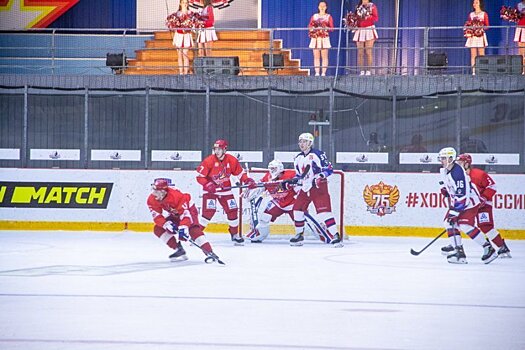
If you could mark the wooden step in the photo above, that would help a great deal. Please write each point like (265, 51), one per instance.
(171, 54)
(248, 35)
(221, 44)
(244, 72)
(174, 65)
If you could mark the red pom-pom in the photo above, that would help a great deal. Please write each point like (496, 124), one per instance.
(350, 20)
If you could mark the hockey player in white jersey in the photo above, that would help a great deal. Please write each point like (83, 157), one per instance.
(313, 168)
(461, 216)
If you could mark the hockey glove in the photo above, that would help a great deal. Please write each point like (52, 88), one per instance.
(210, 187)
(251, 183)
(184, 233)
(443, 189)
(169, 226)
(452, 216)
(318, 178)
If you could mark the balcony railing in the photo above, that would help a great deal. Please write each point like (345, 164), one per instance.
(397, 51)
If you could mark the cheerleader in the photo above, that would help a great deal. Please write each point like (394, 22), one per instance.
(365, 35)
(207, 36)
(477, 40)
(320, 24)
(183, 39)
(519, 37)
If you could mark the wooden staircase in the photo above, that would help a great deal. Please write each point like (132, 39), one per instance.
(160, 57)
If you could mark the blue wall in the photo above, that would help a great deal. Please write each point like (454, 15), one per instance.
(99, 14)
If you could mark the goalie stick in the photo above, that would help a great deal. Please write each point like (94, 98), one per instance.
(413, 252)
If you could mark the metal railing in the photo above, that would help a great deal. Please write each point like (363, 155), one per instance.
(83, 51)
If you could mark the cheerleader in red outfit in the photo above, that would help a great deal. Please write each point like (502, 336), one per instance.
(519, 37)
(207, 35)
(477, 41)
(320, 25)
(365, 35)
(183, 39)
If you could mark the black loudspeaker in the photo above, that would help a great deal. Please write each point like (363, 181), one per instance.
(216, 65)
(278, 61)
(117, 61)
(437, 60)
(499, 64)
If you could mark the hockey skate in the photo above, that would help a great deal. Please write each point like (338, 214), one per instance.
(179, 254)
(504, 251)
(447, 250)
(336, 242)
(489, 253)
(237, 240)
(297, 240)
(458, 257)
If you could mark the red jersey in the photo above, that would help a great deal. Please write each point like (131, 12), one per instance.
(207, 16)
(485, 184)
(220, 171)
(369, 20)
(176, 203)
(283, 197)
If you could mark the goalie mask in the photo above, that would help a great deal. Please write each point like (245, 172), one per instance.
(276, 168)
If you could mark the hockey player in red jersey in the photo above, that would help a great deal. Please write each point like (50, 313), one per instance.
(214, 175)
(487, 189)
(313, 189)
(461, 215)
(279, 201)
(181, 219)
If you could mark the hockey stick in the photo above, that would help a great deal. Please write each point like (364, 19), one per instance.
(210, 256)
(413, 252)
(262, 184)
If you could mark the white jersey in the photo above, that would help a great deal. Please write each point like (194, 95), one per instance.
(463, 194)
(318, 164)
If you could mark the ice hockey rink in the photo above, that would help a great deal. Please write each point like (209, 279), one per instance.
(87, 290)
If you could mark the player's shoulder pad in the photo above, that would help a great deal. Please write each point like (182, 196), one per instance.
(457, 171)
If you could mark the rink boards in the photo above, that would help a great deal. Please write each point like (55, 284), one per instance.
(393, 204)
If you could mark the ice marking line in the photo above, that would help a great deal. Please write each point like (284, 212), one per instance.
(16, 295)
(107, 270)
(173, 343)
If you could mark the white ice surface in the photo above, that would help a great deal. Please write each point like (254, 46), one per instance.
(85, 290)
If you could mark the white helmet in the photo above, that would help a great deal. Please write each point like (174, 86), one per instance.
(275, 167)
(307, 137)
(447, 152)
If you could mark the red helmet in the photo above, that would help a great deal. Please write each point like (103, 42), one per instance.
(465, 158)
(221, 144)
(161, 184)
